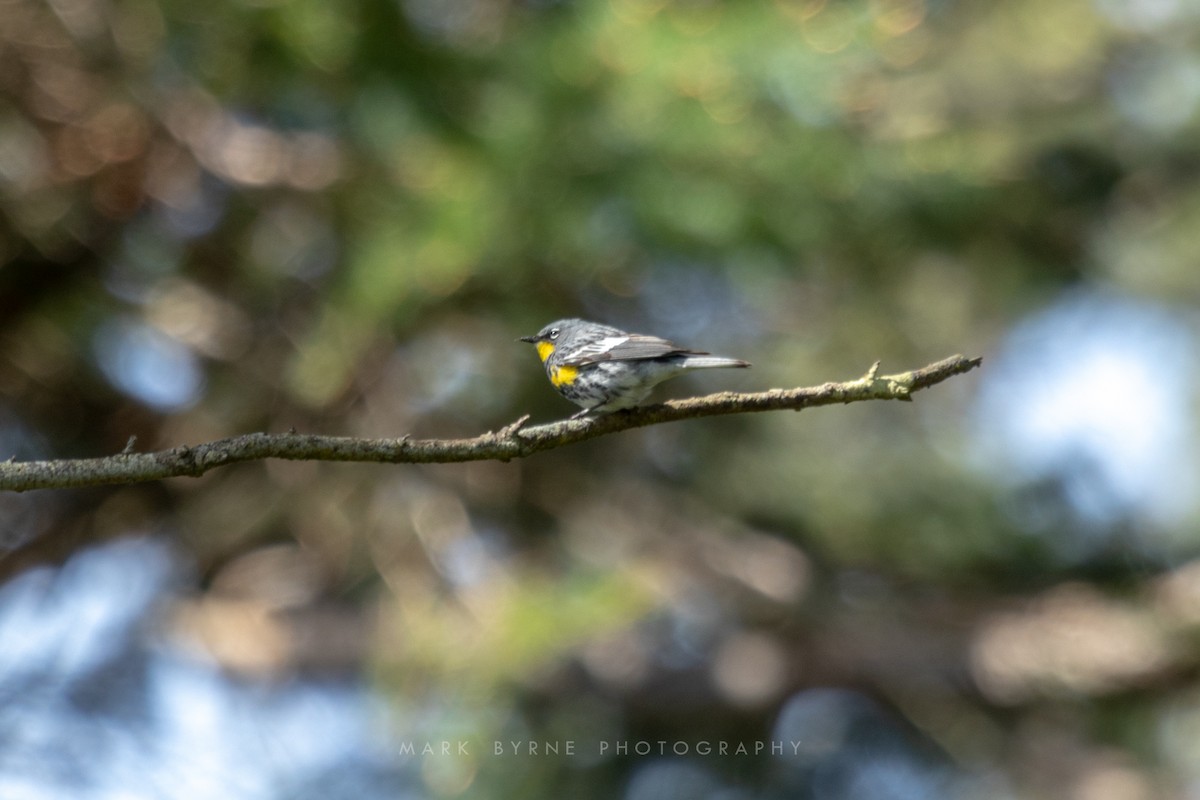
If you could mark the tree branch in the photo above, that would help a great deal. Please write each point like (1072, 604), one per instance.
(512, 441)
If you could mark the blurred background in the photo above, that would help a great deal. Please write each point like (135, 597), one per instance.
(227, 217)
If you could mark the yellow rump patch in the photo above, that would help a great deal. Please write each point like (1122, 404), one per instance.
(561, 376)
(544, 349)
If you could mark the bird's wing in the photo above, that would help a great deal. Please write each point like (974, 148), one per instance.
(625, 347)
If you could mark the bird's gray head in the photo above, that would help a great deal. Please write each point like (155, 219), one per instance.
(553, 332)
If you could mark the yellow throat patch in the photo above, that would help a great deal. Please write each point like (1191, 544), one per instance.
(559, 376)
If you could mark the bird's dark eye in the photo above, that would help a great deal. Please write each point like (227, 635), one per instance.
(554, 333)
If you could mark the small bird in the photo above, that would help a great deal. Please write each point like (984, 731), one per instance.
(604, 369)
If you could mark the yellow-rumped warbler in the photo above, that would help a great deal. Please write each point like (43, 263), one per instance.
(605, 369)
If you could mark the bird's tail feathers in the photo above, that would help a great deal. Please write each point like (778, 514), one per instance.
(706, 361)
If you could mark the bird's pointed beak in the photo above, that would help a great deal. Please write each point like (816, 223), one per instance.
(530, 339)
